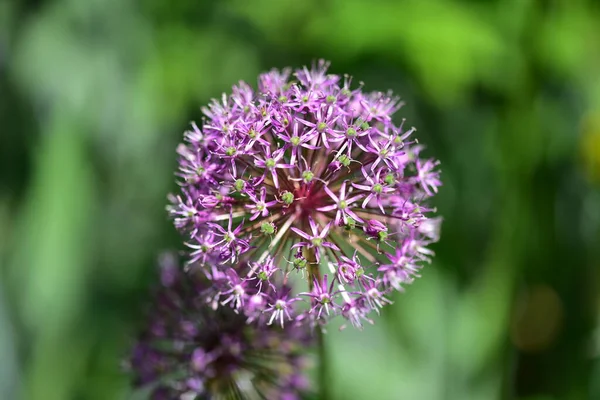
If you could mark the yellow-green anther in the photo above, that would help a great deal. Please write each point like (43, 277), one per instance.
(287, 197)
(268, 228)
(307, 176)
(239, 185)
(344, 160)
(390, 179)
(300, 263)
(350, 224)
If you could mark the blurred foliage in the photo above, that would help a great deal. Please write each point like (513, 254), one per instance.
(94, 96)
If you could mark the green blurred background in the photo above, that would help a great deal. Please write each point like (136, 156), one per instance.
(95, 95)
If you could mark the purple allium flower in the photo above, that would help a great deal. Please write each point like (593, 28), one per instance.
(306, 177)
(189, 350)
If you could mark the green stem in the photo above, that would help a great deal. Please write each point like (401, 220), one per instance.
(323, 372)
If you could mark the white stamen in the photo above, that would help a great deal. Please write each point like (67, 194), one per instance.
(340, 286)
(224, 217)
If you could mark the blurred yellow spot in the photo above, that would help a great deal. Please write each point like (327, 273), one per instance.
(590, 146)
(537, 319)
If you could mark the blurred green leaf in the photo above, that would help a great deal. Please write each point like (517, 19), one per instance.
(55, 235)
(437, 334)
(447, 45)
(9, 378)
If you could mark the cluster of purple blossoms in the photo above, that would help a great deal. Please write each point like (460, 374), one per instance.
(303, 200)
(190, 351)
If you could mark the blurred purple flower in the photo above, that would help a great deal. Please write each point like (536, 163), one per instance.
(189, 350)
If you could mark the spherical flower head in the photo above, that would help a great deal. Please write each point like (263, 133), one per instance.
(313, 177)
(189, 350)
